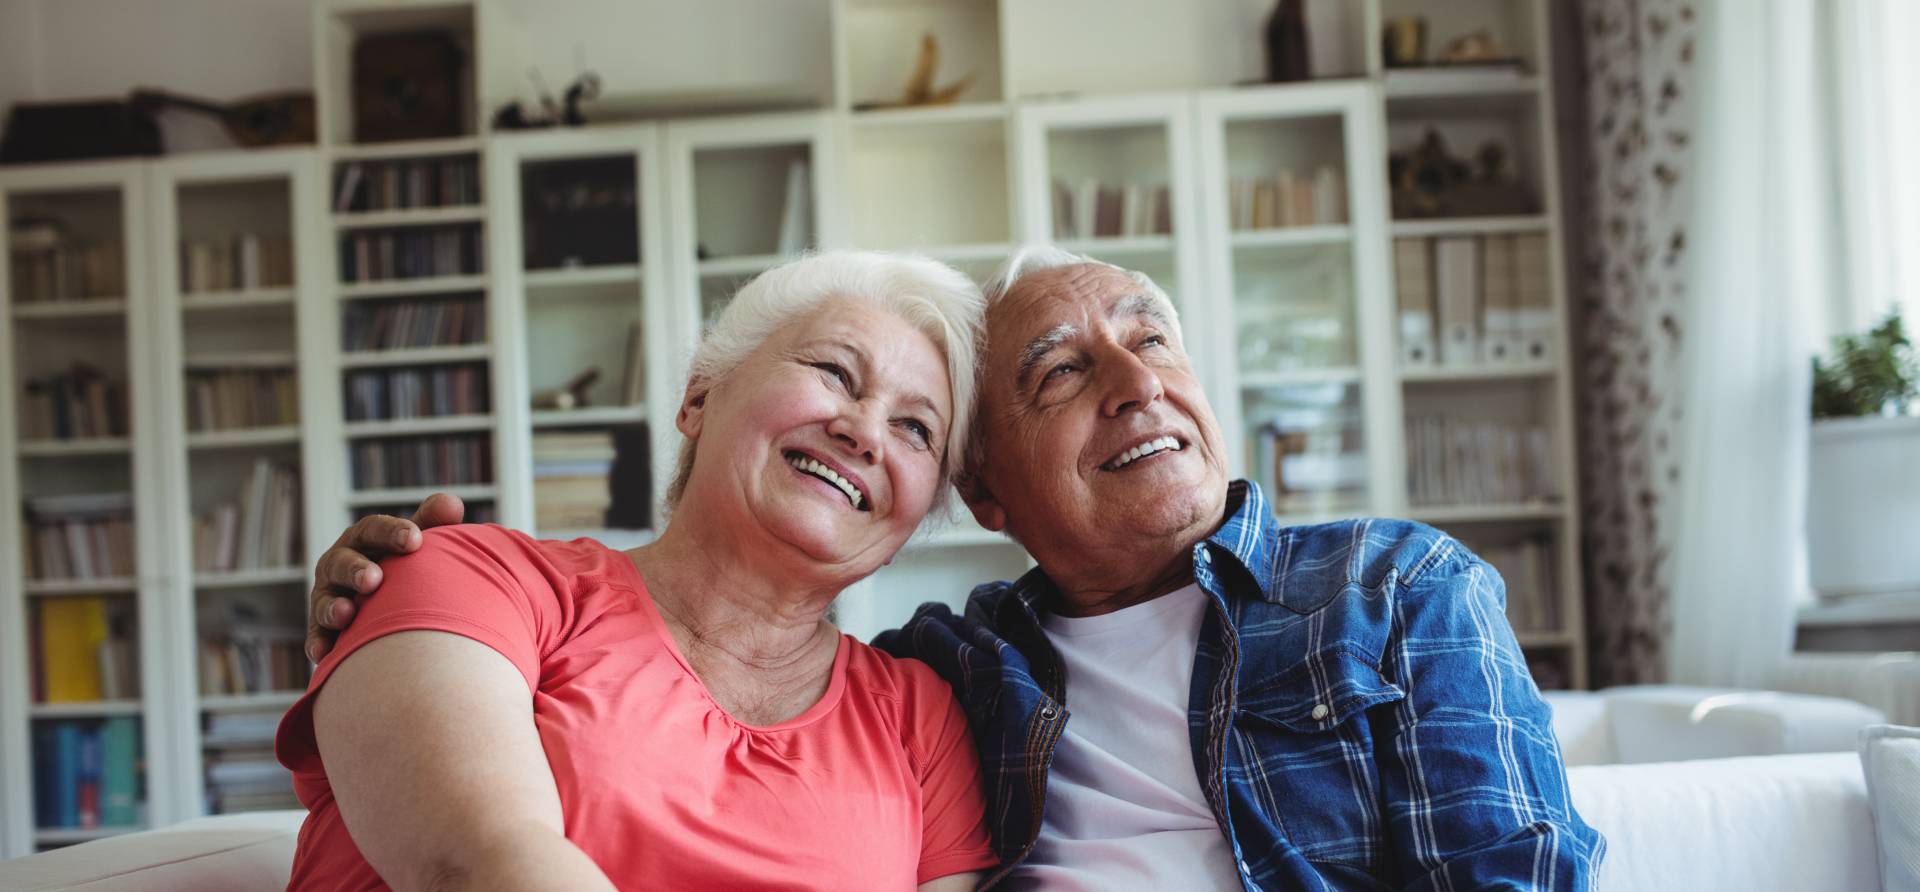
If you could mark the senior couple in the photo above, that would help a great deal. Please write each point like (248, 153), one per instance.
(1184, 694)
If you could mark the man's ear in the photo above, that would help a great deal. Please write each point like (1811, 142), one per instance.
(986, 509)
(693, 407)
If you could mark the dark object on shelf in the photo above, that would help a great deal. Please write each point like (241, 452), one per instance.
(406, 86)
(630, 482)
(1430, 182)
(580, 213)
(1476, 48)
(1288, 58)
(1403, 42)
(920, 89)
(276, 120)
(513, 116)
(73, 131)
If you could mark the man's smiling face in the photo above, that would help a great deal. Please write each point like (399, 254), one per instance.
(1098, 439)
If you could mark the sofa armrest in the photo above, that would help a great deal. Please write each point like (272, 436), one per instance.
(1581, 724)
(228, 853)
(1664, 723)
(1754, 824)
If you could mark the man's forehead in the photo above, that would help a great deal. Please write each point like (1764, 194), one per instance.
(1041, 299)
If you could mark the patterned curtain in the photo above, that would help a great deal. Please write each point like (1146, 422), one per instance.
(1637, 60)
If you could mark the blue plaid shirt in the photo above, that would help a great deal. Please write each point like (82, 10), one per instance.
(1361, 715)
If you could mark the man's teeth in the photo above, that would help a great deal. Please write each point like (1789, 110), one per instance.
(1145, 449)
(823, 472)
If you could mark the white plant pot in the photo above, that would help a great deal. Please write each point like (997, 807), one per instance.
(1863, 506)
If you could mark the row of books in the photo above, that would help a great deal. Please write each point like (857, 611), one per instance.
(1469, 300)
(237, 399)
(405, 324)
(87, 773)
(1286, 199)
(413, 183)
(570, 479)
(77, 404)
(433, 392)
(84, 650)
(80, 536)
(1527, 568)
(422, 461)
(260, 529)
(379, 255)
(241, 771)
(247, 653)
(1457, 461)
(50, 265)
(242, 262)
(1099, 210)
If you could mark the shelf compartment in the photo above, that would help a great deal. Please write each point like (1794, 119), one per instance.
(409, 426)
(408, 287)
(414, 495)
(416, 356)
(226, 300)
(250, 578)
(428, 216)
(244, 438)
(82, 446)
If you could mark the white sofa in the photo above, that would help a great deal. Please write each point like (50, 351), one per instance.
(1771, 818)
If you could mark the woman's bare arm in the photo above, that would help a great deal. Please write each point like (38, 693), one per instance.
(953, 882)
(429, 744)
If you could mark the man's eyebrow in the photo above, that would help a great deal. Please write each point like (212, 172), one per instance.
(1139, 304)
(1038, 348)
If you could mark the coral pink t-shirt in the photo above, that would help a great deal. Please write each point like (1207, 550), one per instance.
(876, 786)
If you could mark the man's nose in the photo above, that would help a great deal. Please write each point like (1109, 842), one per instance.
(1130, 385)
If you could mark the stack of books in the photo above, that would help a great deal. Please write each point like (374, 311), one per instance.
(1286, 199)
(438, 391)
(81, 403)
(48, 265)
(84, 650)
(236, 399)
(80, 536)
(570, 471)
(1470, 300)
(1459, 461)
(376, 255)
(422, 461)
(86, 773)
(1527, 568)
(259, 530)
(242, 773)
(406, 324)
(412, 183)
(243, 262)
(251, 655)
(1100, 210)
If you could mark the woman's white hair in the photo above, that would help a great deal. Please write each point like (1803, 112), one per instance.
(936, 299)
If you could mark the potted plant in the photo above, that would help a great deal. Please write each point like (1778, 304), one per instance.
(1863, 476)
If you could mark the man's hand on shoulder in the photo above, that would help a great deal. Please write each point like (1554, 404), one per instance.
(350, 569)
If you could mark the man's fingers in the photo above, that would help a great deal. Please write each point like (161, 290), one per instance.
(380, 534)
(344, 569)
(317, 646)
(439, 510)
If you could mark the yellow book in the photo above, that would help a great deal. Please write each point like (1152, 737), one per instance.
(71, 632)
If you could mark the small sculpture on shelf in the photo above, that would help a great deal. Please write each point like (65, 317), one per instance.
(513, 116)
(920, 89)
(1403, 44)
(572, 396)
(1428, 181)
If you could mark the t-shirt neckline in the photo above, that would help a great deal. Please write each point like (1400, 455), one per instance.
(836, 682)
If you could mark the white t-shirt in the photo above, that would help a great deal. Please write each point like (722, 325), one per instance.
(1124, 807)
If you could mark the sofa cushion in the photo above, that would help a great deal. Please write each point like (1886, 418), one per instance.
(228, 853)
(1891, 757)
(1665, 723)
(1754, 824)
(1581, 724)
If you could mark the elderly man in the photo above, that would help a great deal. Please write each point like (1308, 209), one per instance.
(1253, 706)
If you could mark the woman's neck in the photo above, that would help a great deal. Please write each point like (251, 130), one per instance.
(721, 605)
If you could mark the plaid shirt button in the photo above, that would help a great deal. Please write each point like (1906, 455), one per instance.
(1320, 712)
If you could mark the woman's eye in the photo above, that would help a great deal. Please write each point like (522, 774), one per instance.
(919, 431)
(837, 372)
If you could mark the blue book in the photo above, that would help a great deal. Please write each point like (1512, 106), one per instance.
(88, 789)
(119, 778)
(46, 776)
(66, 788)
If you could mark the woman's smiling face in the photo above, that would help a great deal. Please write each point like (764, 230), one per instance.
(829, 438)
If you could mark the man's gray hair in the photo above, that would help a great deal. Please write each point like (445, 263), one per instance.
(1027, 261)
(936, 299)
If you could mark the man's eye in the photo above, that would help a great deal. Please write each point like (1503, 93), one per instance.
(837, 372)
(1154, 340)
(1059, 370)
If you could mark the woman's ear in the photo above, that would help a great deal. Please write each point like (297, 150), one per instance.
(693, 408)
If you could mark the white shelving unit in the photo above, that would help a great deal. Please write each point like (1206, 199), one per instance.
(965, 183)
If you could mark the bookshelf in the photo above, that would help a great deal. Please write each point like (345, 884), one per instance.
(1291, 316)
(82, 589)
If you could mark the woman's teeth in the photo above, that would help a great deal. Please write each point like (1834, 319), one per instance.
(809, 466)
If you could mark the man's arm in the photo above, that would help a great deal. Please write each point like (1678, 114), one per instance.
(1475, 787)
(349, 570)
(430, 747)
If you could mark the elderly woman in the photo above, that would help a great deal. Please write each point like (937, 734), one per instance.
(519, 714)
